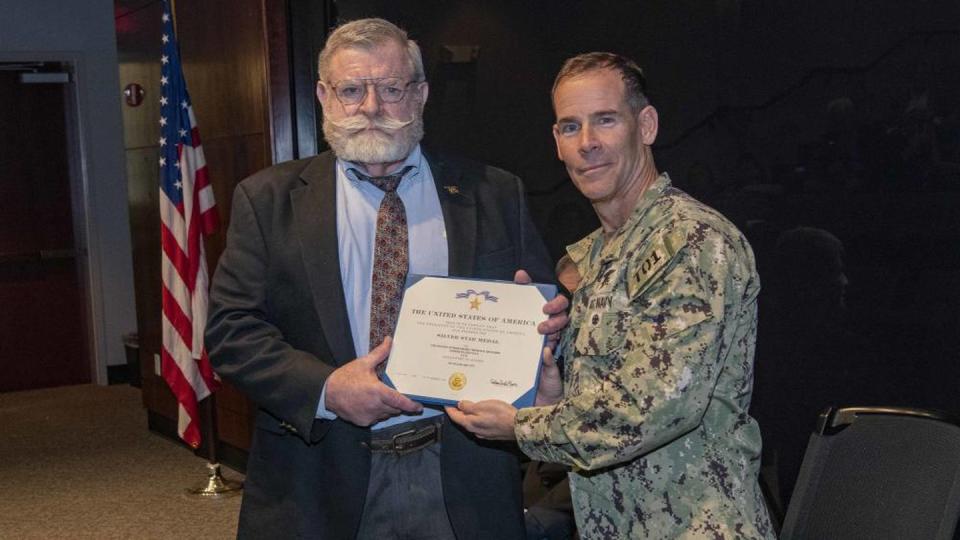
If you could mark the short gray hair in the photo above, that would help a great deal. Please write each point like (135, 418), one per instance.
(368, 34)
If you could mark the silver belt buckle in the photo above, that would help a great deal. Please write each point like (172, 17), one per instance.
(427, 436)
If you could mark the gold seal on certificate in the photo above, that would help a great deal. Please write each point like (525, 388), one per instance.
(458, 381)
(462, 339)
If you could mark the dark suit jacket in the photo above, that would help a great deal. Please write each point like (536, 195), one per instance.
(278, 327)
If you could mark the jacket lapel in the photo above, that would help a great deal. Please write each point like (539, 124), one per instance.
(315, 218)
(459, 214)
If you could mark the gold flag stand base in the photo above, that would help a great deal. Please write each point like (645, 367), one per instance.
(216, 486)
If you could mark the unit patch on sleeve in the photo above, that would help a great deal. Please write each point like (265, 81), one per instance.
(651, 261)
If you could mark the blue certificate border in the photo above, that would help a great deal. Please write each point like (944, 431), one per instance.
(547, 290)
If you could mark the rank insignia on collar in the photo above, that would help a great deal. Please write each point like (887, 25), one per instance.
(453, 190)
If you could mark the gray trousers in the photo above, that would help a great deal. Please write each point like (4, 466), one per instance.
(405, 498)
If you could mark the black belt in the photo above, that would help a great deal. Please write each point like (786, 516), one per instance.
(407, 437)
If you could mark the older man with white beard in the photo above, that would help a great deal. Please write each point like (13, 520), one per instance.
(305, 297)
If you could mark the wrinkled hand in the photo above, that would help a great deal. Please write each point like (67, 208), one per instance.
(491, 419)
(356, 394)
(556, 309)
(550, 390)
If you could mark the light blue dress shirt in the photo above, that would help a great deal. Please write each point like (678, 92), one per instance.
(357, 205)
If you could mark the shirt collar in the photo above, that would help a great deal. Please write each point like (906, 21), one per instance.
(414, 160)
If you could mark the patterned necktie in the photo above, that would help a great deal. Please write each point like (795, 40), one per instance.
(390, 257)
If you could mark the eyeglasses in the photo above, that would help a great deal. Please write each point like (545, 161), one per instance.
(353, 91)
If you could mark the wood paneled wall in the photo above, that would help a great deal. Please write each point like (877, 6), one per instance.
(224, 52)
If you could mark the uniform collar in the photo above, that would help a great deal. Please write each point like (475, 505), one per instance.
(593, 243)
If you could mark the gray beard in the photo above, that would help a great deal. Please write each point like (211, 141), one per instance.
(373, 146)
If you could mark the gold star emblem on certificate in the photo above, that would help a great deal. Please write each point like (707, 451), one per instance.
(475, 303)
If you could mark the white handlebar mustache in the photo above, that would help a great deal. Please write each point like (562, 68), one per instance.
(360, 122)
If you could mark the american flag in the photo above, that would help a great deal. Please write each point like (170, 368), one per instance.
(187, 211)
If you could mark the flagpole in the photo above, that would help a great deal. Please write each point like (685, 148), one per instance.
(216, 486)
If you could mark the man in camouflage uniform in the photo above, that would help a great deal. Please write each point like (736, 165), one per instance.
(651, 413)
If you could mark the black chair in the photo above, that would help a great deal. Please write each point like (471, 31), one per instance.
(877, 473)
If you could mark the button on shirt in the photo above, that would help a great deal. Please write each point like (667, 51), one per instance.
(357, 205)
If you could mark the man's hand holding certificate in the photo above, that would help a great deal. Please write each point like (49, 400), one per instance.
(459, 339)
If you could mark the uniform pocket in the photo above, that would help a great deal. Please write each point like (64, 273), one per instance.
(602, 334)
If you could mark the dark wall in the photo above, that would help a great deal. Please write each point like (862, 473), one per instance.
(729, 78)
(698, 56)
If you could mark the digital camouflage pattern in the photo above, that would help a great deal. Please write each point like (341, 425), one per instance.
(657, 381)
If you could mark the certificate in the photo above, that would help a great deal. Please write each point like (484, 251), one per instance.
(468, 339)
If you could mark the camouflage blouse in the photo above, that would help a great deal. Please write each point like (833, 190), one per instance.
(658, 375)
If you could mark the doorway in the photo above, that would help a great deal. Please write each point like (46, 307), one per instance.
(43, 323)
